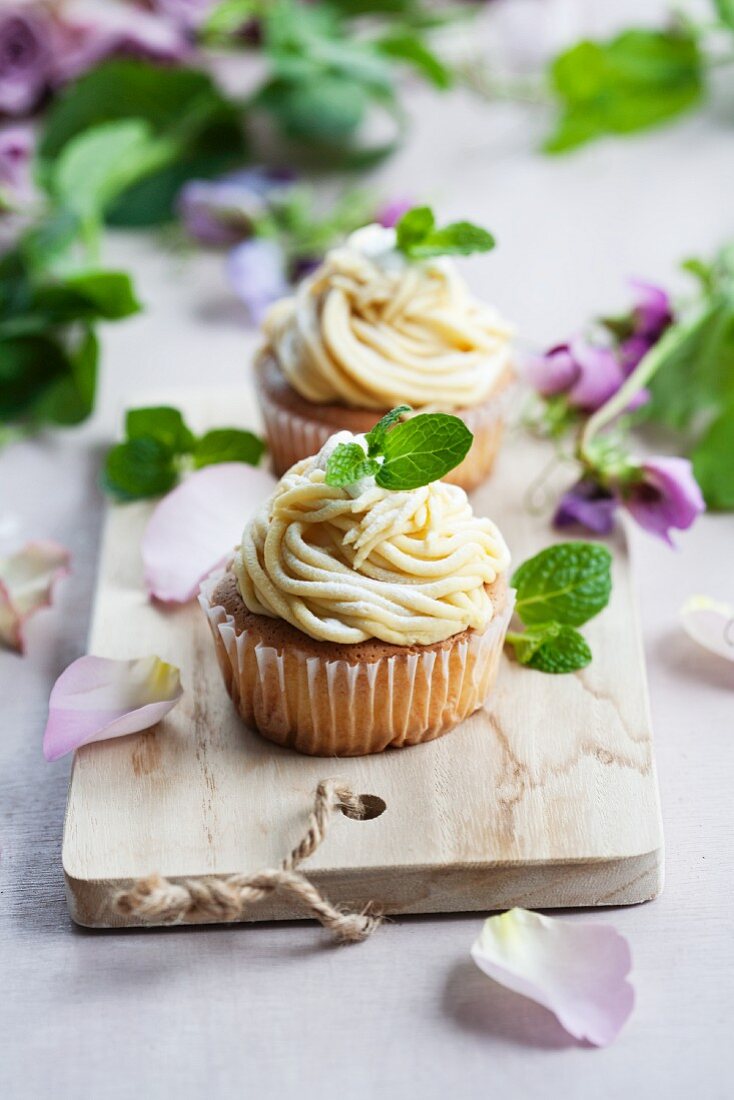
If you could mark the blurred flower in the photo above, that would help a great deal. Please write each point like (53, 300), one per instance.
(188, 13)
(551, 373)
(89, 33)
(390, 214)
(25, 59)
(588, 504)
(664, 496)
(588, 374)
(652, 312)
(16, 151)
(257, 274)
(224, 211)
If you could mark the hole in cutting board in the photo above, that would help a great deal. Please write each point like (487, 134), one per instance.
(373, 806)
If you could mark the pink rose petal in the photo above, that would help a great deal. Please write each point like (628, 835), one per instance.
(576, 969)
(711, 624)
(27, 580)
(193, 529)
(97, 698)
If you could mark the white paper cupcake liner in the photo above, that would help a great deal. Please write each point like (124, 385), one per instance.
(327, 707)
(292, 437)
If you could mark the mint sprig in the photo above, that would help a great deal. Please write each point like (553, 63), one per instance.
(559, 589)
(159, 446)
(404, 455)
(419, 239)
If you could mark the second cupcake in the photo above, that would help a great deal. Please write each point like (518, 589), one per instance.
(386, 320)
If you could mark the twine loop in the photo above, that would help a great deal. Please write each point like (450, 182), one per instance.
(158, 900)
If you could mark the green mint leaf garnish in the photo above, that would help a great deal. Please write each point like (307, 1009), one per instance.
(141, 467)
(422, 450)
(376, 437)
(713, 461)
(228, 445)
(160, 446)
(568, 584)
(551, 647)
(412, 453)
(348, 463)
(162, 423)
(418, 239)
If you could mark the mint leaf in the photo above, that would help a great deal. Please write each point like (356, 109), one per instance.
(413, 227)
(228, 445)
(162, 423)
(418, 238)
(376, 437)
(636, 80)
(408, 47)
(70, 399)
(96, 295)
(551, 647)
(141, 467)
(568, 583)
(28, 366)
(422, 450)
(713, 462)
(348, 463)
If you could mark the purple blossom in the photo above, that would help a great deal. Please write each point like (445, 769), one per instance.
(16, 152)
(25, 59)
(257, 274)
(665, 495)
(188, 13)
(552, 373)
(587, 504)
(587, 373)
(224, 211)
(390, 214)
(652, 312)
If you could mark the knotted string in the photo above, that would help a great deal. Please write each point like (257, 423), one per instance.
(161, 901)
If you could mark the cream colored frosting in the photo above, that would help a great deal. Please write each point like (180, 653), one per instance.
(371, 330)
(349, 564)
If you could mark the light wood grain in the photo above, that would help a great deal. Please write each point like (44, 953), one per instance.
(548, 798)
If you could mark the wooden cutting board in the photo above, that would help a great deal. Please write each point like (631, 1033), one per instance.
(547, 799)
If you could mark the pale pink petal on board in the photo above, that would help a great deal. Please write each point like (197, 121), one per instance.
(97, 698)
(576, 969)
(27, 580)
(197, 525)
(711, 624)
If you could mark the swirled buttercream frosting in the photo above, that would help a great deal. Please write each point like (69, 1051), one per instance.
(349, 564)
(370, 329)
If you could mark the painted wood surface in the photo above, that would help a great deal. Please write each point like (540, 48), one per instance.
(547, 798)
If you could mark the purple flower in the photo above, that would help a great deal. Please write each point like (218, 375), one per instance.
(587, 504)
(599, 375)
(16, 151)
(188, 13)
(552, 373)
(665, 495)
(25, 59)
(652, 312)
(89, 34)
(390, 214)
(224, 211)
(257, 274)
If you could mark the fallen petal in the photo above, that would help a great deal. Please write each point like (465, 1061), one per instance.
(711, 624)
(97, 698)
(27, 580)
(576, 969)
(193, 529)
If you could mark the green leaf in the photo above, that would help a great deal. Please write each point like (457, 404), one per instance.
(422, 450)
(327, 108)
(409, 47)
(348, 463)
(140, 468)
(70, 400)
(28, 367)
(376, 437)
(418, 238)
(637, 80)
(94, 167)
(713, 462)
(106, 295)
(725, 11)
(228, 445)
(181, 105)
(567, 583)
(163, 423)
(551, 647)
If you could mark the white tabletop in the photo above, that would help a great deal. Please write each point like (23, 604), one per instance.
(275, 1010)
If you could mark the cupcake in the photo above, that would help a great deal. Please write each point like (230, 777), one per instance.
(354, 617)
(385, 320)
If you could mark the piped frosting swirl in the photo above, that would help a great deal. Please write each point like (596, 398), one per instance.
(348, 564)
(369, 329)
